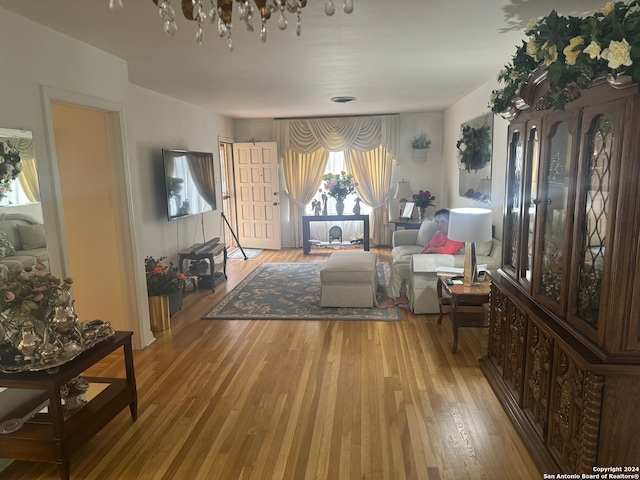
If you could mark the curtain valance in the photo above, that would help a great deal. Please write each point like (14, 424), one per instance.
(338, 133)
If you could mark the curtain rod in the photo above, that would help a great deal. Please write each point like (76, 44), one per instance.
(338, 116)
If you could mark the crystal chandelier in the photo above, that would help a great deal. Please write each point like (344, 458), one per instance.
(220, 12)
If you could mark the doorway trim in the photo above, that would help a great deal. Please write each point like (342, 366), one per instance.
(134, 276)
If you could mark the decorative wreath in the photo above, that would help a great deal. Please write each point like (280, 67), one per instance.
(474, 148)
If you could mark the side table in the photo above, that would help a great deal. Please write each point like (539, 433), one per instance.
(210, 255)
(50, 437)
(464, 305)
(406, 223)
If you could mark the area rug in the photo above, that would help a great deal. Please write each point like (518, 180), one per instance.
(291, 291)
(249, 252)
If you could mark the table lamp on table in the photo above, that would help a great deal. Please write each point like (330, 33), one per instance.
(470, 225)
(403, 194)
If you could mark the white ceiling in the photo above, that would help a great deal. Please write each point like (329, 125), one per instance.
(393, 55)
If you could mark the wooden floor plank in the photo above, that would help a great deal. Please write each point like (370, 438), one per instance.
(291, 400)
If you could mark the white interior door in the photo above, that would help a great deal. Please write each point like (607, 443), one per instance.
(257, 194)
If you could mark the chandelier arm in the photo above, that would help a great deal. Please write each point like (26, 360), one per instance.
(265, 12)
(225, 11)
(187, 9)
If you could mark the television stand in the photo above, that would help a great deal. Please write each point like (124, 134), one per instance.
(212, 273)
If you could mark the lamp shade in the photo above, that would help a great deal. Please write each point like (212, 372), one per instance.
(403, 190)
(470, 224)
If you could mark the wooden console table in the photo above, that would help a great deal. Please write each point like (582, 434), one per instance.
(210, 254)
(306, 228)
(49, 437)
(465, 305)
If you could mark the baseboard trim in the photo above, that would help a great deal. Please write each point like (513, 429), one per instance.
(4, 463)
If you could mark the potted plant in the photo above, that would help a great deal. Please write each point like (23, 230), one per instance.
(163, 281)
(420, 145)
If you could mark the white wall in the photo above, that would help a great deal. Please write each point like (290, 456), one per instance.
(474, 104)
(182, 126)
(41, 57)
(421, 176)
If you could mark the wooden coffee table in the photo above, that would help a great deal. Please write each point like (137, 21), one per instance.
(52, 437)
(464, 305)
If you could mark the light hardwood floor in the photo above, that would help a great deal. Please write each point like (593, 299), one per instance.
(302, 400)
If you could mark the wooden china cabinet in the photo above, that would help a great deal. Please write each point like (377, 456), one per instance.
(564, 335)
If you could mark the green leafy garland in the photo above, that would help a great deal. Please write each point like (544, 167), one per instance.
(574, 52)
(474, 148)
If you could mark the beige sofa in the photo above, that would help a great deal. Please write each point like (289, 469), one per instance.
(22, 242)
(421, 288)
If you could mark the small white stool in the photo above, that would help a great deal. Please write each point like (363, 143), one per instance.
(349, 279)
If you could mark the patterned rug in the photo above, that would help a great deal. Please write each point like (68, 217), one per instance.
(291, 291)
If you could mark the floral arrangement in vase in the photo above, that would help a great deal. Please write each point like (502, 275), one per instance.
(31, 291)
(339, 185)
(162, 279)
(38, 324)
(476, 195)
(422, 200)
(573, 52)
(10, 166)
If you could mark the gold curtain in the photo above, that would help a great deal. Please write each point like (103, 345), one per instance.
(302, 176)
(372, 171)
(28, 179)
(202, 172)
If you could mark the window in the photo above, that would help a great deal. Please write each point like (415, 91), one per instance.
(16, 195)
(350, 230)
(337, 164)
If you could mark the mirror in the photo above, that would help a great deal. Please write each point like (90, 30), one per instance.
(21, 217)
(21, 194)
(475, 151)
(408, 210)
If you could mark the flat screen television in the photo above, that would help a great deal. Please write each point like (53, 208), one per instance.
(190, 183)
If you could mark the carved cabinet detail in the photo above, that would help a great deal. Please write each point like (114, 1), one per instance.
(536, 394)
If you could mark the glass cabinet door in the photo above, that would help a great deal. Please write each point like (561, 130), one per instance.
(597, 180)
(595, 207)
(515, 172)
(530, 204)
(552, 244)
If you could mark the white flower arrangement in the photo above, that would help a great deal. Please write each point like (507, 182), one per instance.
(575, 52)
(10, 166)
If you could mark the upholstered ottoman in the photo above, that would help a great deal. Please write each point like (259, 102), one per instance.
(349, 279)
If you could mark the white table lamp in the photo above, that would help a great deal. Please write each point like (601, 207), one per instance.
(403, 194)
(470, 225)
